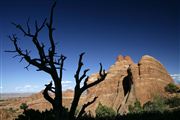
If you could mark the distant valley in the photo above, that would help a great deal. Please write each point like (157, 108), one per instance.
(4, 96)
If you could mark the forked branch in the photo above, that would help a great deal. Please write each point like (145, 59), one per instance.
(79, 90)
(85, 106)
(101, 77)
(46, 94)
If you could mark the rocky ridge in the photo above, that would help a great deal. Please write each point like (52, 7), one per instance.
(127, 82)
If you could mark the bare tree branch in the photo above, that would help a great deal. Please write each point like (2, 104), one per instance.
(102, 75)
(15, 56)
(25, 56)
(21, 59)
(39, 47)
(27, 66)
(84, 75)
(13, 51)
(82, 111)
(62, 59)
(46, 94)
(80, 64)
(28, 27)
(38, 29)
(50, 28)
(18, 26)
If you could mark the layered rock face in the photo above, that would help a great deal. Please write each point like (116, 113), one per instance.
(149, 78)
(127, 82)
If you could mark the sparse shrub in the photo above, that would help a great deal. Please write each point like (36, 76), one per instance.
(148, 106)
(24, 106)
(173, 102)
(158, 104)
(103, 111)
(12, 110)
(171, 88)
(136, 108)
(31, 114)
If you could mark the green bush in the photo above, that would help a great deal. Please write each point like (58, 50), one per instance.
(103, 111)
(149, 106)
(24, 106)
(136, 108)
(173, 102)
(171, 88)
(158, 104)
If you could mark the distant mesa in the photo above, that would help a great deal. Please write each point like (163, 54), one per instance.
(125, 83)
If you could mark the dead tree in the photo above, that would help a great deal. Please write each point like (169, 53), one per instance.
(52, 63)
(79, 90)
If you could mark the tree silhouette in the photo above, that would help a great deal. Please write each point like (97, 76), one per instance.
(52, 63)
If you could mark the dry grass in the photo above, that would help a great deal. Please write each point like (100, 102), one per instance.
(8, 114)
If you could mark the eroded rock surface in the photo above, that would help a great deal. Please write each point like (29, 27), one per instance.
(127, 81)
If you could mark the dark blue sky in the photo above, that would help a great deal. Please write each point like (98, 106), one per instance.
(101, 28)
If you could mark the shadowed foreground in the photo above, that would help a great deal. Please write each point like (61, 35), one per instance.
(48, 115)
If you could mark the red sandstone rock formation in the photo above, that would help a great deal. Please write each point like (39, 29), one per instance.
(127, 81)
(149, 78)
